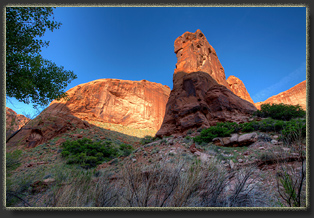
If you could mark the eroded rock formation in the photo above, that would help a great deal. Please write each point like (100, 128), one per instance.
(293, 96)
(197, 100)
(194, 53)
(238, 88)
(14, 121)
(137, 104)
(201, 96)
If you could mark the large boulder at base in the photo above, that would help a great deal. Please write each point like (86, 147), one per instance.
(238, 88)
(136, 104)
(235, 140)
(293, 96)
(14, 121)
(197, 100)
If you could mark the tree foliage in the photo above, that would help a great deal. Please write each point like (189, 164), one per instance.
(30, 77)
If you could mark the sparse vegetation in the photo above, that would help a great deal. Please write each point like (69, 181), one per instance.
(220, 130)
(280, 111)
(89, 154)
(148, 139)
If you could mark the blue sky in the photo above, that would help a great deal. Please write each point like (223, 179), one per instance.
(263, 46)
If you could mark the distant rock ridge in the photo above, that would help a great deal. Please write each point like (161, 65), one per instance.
(238, 88)
(293, 96)
(14, 121)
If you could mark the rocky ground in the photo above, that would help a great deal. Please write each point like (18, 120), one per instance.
(37, 181)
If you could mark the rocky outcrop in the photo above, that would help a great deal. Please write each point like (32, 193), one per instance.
(14, 121)
(295, 95)
(49, 124)
(238, 88)
(137, 104)
(197, 100)
(194, 53)
(201, 96)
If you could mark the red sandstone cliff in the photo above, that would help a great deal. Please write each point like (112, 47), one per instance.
(194, 53)
(138, 104)
(201, 96)
(295, 95)
(238, 88)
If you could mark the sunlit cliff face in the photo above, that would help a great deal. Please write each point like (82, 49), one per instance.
(137, 104)
(295, 95)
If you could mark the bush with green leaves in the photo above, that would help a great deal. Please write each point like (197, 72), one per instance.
(147, 139)
(89, 154)
(207, 135)
(13, 160)
(280, 111)
(294, 130)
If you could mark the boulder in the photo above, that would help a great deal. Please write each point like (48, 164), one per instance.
(247, 139)
(235, 140)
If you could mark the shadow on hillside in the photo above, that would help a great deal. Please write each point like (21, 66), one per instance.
(57, 120)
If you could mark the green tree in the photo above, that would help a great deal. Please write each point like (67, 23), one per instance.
(30, 77)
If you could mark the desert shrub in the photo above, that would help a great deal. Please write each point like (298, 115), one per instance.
(13, 160)
(188, 184)
(294, 130)
(89, 154)
(250, 126)
(147, 139)
(291, 185)
(280, 111)
(126, 149)
(207, 135)
(232, 126)
(267, 125)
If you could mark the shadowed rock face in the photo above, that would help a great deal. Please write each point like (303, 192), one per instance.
(238, 88)
(137, 104)
(194, 53)
(14, 121)
(197, 100)
(49, 124)
(295, 95)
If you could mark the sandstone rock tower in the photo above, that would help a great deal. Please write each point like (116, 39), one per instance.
(201, 96)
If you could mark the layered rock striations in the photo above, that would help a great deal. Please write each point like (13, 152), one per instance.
(238, 88)
(293, 96)
(14, 121)
(137, 104)
(201, 96)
